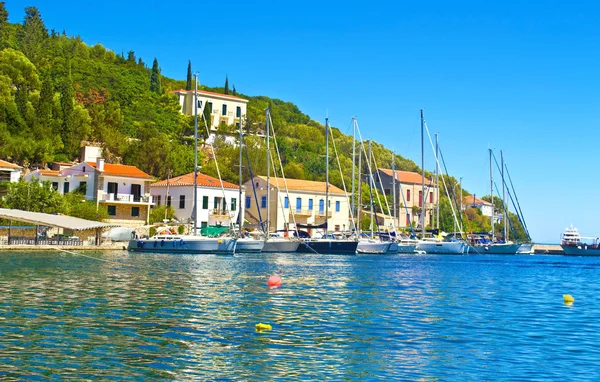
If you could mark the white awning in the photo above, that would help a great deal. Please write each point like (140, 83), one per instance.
(61, 221)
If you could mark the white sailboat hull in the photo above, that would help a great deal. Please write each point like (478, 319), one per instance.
(249, 245)
(443, 247)
(183, 244)
(281, 246)
(494, 249)
(373, 247)
(406, 248)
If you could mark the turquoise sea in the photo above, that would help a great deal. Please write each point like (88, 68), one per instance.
(124, 316)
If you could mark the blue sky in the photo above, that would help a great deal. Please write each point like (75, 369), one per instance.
(516, 76)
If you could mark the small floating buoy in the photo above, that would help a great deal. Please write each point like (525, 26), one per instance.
(568, 299)
(260, 327)
(274, 281)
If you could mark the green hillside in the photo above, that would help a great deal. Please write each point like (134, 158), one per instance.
(56, 92)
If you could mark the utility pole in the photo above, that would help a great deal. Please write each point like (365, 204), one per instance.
(169, 174)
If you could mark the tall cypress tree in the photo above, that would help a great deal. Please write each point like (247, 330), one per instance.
(44, 106)
(33, 35)
(189, 82)
(226, 85)
(3, 13)
(67, 106)
(233, 92)
(155, 78)
(206, 121)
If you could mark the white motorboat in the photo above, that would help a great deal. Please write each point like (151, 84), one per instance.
(372, 246)
(572, 244)
(169, 243)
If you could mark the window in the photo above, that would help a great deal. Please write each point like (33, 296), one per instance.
(431, 197)
(113, 188)
(286, 202)
(135, 211)
(310, 204)
(298, 204)
(337, 206)
(336, 227)
(420, 198)
(408, 195)
(263, 202)
(158, 200)
(205, 202)
(112, 210)
(181, 201)
(83, 169)
(199, 104)
(321, 206)
(169, 201)
(65, 187)
(233, 204)
(224, 110)
(209, 105)
(238, 112)
(248, 201)
(387, 191)
(216, 203)
(55, 186)
(83, 187)
(203, 224)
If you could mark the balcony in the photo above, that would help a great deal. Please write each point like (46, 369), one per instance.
(217, 212)
(321, 214)
(302, 213)
(104, 197)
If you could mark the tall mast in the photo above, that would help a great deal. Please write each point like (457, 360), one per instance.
(268, 115)
(195, 209)
(353, 163)
(422, 173)
(437, 183)
(505, 209)
(371, 185)
(359, 197)
(492, 193)
(326, 175)
(240, 221)
(394, 191)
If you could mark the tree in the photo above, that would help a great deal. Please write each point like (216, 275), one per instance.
(188, 82)
(226, 85)
(67, 106)
(34, 196)
(4, 26)
(77, 206)
(155, 78)
(205, 122)
(33, 35)
(233, 92)
(131, 57)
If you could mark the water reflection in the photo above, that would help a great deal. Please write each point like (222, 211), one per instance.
(130, 316)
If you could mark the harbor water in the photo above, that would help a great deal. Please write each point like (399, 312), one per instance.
(122, 316)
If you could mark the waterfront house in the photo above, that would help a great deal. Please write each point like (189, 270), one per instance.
(409, 196)
(304, 204)
(9, 172)
(123, 190)
(216, 204)
(485, 207)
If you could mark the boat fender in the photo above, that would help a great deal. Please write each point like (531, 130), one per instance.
(260, 327)
(162, 243)
(174, 243)
(180, 241)
(140, 244)
(155, 244)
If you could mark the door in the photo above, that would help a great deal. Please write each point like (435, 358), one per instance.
(136, 190)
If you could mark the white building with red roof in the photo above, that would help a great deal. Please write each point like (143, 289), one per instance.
(9, 172)
(409, 196)
(217, 202)
(487, 209)
(123, 190)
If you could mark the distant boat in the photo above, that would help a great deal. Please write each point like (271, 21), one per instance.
(573, 246)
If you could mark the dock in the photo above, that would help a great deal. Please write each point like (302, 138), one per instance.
(548, 249)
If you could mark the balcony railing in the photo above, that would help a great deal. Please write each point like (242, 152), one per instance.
(219, 212)
(125, 198)
(301, 212)
(322, 214)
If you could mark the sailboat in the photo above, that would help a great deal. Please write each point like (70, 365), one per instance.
(329, 243)
(166, 242)
(494, 246)
(435, 246)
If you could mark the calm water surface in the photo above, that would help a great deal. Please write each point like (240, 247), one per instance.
(139, 317)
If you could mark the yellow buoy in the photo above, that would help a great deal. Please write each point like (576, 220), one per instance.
(568, 298)
(260, 327)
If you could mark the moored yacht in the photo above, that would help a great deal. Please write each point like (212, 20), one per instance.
(572, 244)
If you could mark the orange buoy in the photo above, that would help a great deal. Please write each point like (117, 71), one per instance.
(274, 281)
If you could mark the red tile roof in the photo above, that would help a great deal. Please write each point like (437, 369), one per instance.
(470, 200)
(49, 172)
(301, 185)
(202, 180)
(6, 164)
(210, 94)
(122, 170)
(407, 176)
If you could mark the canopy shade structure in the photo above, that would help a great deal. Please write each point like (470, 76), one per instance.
(61, 221)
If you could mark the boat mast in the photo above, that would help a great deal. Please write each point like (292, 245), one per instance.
(394, 190)
(195, 209)
(371, 185)
(492, 194)
(359, 197)
(240, 221)
(268, 176)
(437, 183)
(503, 199)
(353, 170)
(326, 175)
(422, 174)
